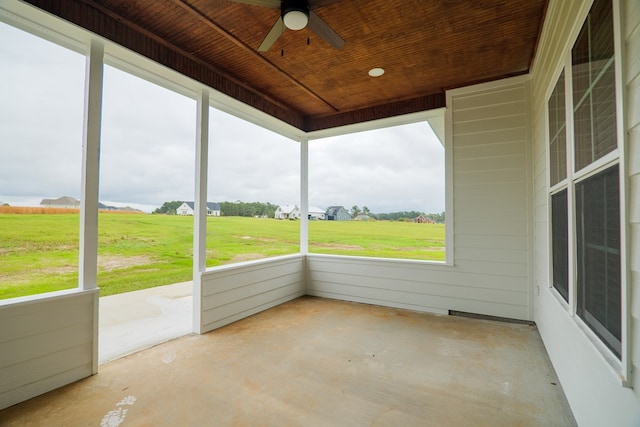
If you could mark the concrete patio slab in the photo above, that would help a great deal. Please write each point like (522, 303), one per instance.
(321, 362)
(136, 320)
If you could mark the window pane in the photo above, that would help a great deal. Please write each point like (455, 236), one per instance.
(254, 174)
(41, 106)
(560, 243)
(598, 257)
(557, 133)
(146, 161)
(604, 114)
(379, 193)
(593, 75)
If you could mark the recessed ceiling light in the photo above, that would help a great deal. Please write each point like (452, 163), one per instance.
(376, 72)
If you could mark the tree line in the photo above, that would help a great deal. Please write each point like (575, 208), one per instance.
(251, 209)
(409, 215)
(396, 216)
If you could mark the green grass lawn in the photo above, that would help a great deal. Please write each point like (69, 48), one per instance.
(39, 253)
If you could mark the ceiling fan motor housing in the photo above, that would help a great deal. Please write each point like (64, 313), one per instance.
(295, 14)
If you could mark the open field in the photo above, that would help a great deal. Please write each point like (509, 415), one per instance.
(39, 252)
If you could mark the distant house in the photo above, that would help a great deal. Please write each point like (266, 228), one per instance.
(316, 213)
(421, 219)
(188, 208)
(64, 202)
(287, 212)
(337, 213)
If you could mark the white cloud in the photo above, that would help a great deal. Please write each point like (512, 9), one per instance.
(148, 137)
(40, 113)
(387, 170)
(251, 164)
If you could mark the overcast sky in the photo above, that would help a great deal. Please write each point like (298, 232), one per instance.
(147, 148)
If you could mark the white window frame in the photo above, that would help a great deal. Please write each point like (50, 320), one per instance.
(429, 117)
(621, 367)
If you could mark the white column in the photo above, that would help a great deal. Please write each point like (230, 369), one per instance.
(88, 263)
(304, 196)
(448, 182)
(200, 219)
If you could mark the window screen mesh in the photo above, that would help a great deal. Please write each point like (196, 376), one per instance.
(557, 133)
(598, 255)
(560, 243)
(594, 96)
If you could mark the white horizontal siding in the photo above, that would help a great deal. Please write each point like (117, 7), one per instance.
(490, 136)
(495, 136)
(631, 26)
(413, 285)
(505, 174)
(491, 197)
(46, 342)
(488, 100)
(233, 292)
(586, 377)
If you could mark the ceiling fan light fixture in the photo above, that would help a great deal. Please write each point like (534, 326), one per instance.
(295, 19)
(295, 14)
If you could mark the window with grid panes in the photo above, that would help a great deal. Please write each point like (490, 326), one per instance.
(593, 213)
(560, 239)
(557, 174)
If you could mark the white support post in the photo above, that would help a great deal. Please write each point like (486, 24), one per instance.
(448, 182)
(304, 196)
(200, 218)
(89, 193)
(89, 187)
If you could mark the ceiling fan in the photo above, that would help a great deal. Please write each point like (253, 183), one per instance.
(296, 15)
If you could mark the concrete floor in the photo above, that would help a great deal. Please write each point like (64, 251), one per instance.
(319, 362)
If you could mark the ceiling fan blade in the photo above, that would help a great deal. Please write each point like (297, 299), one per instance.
(272, 35)
(323, 30)
(273, 4)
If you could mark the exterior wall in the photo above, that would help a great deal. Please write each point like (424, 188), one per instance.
(184, 209)
(592, 386)
(491, 264)
(631, 25)
(233, 292)
(316, 214)
(46, 343)
(343, 215)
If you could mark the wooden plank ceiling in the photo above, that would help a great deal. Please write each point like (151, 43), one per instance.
(424, 46)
